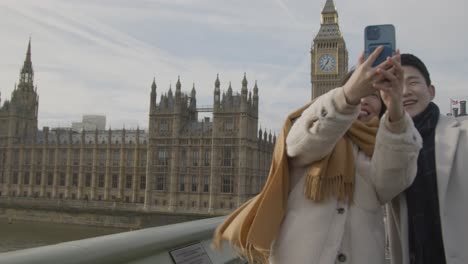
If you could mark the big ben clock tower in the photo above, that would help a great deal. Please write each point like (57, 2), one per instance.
(329, 57)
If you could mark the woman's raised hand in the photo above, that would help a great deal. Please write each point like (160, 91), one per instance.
(361, 83)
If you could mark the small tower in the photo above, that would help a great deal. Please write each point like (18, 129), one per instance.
(153, 96)
(244, 92)
(178, 90)
(21, 115)
(255, 99)
(193, 98)
(217, 93)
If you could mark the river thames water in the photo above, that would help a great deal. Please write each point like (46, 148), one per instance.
(26, 234)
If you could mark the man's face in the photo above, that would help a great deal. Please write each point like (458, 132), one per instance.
(416, 93)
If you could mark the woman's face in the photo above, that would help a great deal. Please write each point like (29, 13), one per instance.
(370, 107)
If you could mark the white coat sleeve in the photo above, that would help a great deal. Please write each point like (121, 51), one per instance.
(394, 162)
(315, 133)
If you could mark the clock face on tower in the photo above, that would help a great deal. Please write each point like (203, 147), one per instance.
(327, 62)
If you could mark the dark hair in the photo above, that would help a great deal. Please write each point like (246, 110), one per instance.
(411, 60)
(345, 79)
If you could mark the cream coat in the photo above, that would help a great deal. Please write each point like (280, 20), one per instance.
(329, 232)
(451, 144)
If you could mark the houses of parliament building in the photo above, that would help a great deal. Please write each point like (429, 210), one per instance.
(180, 164)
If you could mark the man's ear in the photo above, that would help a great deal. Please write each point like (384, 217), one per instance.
(431, 91)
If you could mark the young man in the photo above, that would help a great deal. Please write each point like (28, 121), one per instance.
(428, 221)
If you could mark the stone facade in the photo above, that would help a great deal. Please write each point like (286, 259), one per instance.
(329, 56)
(181, 164)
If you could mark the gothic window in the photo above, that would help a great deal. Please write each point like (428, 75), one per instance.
(63, 157)
(102, 157)
(183, 158)
(88, 180)
(76, 157)
(206, 183)
(130, 158)
(128, 183)
(181, 182)
(142, 182)
(228, 124)
(207, 158)
(26, 158)
(142, 158)
(26, 178)
(115, 180)
(16, 157)
(195, 158)
(101, 179)
(227, 156)
(50, 179)
(15, 177)
(163, 157)
(163, 127)
(62, 179)
(75, 179)
(115, 158)
(194, 183)
(160, 182)
(51, 157)
(226, 184)
(38, 178)
(89, 157)
(39, 157)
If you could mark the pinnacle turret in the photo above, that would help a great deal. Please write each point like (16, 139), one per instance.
(217, 83)
(153, 85)
(329, 7)
(244, 81)
(27, 73)
(229, 91)
(178, 86)
(193, 93)
(169, 94)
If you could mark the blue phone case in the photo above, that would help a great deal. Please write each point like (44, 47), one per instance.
(380, 35)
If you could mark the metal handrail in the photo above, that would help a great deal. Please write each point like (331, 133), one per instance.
(150, 245)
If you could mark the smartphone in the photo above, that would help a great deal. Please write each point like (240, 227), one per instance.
(379, 35)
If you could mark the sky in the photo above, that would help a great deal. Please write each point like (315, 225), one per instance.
(100, 56)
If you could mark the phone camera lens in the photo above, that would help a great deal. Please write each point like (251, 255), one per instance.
(373, 33)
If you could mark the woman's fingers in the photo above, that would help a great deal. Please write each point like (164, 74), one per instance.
(361, 59)
(374, 55)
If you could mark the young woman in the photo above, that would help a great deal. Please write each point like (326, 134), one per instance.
(337, 173)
